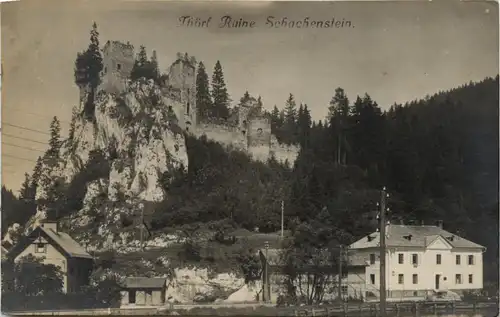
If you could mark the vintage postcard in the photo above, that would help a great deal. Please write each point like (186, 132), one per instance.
(250, 158)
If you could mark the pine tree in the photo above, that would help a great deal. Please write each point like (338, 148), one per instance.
(338, 119)
(259, 103)
(95, 58)
(88, 67)
(155, 68)
(339, 105)
(142, 57)
(219, 93)
(246, 97)
(25, 190)
(37, 171)
(290, 119)
(55, 140)
(203, 98)
(304, 126)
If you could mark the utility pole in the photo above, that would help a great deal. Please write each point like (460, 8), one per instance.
(142, 229)
(266, 292)
(341, 255)
(282, 218)
(382, 254)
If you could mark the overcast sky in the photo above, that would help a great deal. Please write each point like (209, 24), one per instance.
(394, 51)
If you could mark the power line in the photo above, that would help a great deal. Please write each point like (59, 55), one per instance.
(17, 157)
(24, 128)
(33, 113)
(21, 138)
(23, 147)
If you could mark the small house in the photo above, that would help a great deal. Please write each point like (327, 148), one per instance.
(144, 291)
(48, 243)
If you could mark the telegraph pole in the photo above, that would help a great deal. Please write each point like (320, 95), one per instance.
(341, 254)
(142, 229)
(382, 254)
(266, 292)
(282, 218)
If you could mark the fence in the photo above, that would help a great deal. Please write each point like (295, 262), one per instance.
(373, 309)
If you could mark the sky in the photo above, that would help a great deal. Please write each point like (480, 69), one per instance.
(394, 51)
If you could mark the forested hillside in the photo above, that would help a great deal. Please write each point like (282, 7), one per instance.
(438, 158)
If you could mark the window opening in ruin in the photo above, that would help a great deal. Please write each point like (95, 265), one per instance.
(131, 297)
(244, 132)
(259, 130)
(118, 66)
(187, 110)
(105, 70)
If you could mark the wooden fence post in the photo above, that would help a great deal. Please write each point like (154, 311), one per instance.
(312, 313)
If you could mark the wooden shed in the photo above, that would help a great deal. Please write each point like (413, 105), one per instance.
(144, 291)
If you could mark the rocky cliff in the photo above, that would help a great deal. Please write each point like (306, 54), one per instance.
(118, 155)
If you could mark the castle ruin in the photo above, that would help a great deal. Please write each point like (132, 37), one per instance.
(249, 129)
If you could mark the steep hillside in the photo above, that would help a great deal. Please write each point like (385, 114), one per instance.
(109, 164)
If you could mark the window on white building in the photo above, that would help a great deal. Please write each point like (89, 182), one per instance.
(414, 258)
(401, 279)
(470, 278)
(372, 278)
(372, 258)
(401, 258)
(471, 260)
(458, 278)
(458, 259)
(415, 278)
(438, 258)
(344, 289)
(40, 248)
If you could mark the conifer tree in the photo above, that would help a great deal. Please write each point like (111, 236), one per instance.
(219, 93)
(95, 65)
(338, 119)
(290, 113)
(25, 190)
(55, 139)
(246, 97)
(203, 98)
(88, 67)
(37, 171)
(155, 68)
(259, 102)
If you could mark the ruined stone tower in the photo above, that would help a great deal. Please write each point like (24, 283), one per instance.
(118, 61)
(182, 80)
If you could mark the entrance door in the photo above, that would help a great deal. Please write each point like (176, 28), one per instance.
(438, 276)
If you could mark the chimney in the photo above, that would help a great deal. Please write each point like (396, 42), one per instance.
(54, 225)
(439, 224)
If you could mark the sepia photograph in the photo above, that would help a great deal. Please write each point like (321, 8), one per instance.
(250, 158)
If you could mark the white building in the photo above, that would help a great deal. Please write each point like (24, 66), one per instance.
(419, 260)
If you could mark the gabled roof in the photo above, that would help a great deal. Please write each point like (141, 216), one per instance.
(274, 258)
(145, 282)
(421, 236)
(60, 240)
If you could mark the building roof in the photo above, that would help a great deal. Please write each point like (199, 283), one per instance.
(61, 241)
(274, 258)
(421, 236)
(145, 282)
(70, 246)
